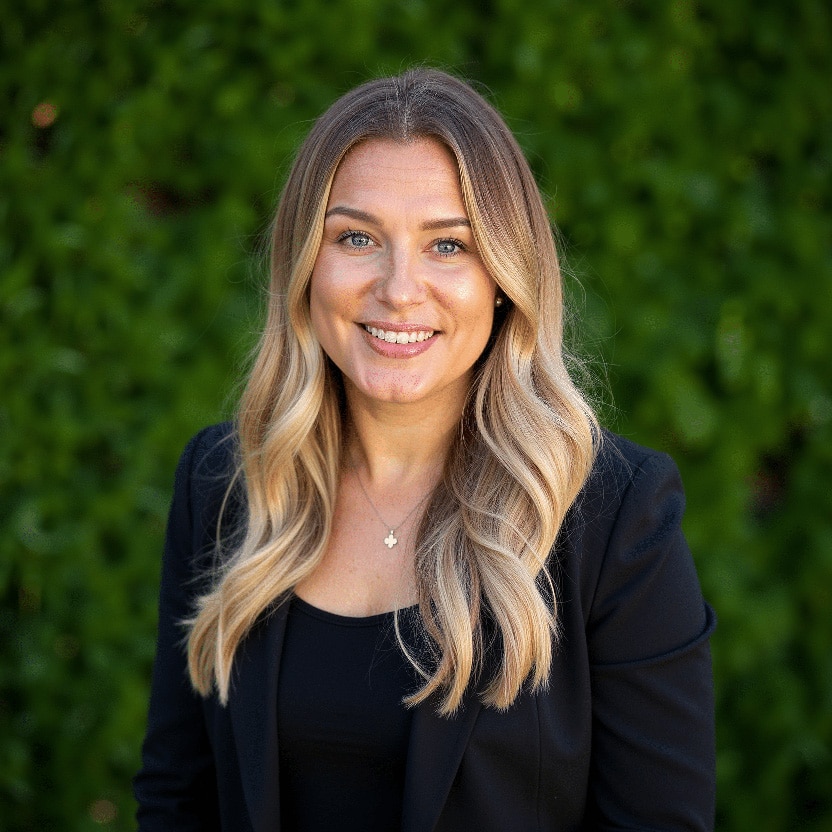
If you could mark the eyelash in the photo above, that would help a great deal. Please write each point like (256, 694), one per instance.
(460, 246)
(350, 233)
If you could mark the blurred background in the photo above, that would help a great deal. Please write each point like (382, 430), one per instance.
(685, 150)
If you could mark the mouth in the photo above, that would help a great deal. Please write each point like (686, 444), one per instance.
(392, 336)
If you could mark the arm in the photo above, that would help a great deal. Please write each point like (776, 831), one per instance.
(652, 690)
(176, 786)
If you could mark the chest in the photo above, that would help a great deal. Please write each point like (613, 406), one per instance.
(368, 565)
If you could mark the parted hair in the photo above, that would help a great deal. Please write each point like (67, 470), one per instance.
(526, 442)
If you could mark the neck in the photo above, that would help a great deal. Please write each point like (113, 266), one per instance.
(401, 447)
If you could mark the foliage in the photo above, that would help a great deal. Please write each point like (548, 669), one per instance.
(686, 148)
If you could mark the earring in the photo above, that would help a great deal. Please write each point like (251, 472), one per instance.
(498, 301)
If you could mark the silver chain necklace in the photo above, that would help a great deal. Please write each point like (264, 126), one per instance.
(391, 540)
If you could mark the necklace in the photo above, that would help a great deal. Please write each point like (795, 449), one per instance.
(391, 540)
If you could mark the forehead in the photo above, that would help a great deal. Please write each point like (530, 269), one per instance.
(376, 168)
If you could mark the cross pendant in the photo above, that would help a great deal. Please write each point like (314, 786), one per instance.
(390, 541)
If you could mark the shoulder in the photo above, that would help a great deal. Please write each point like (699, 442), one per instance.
(204, 477)
(212, 450)
(625, 542)
(209, 459)
(626, 475)
(622, 461)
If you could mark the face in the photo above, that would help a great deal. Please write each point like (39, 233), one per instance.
(399, 297)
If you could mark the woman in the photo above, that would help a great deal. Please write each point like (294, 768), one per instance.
(422, 590)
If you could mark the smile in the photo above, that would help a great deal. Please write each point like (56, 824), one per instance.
(394, 337)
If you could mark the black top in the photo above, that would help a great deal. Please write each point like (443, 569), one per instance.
(343, 728)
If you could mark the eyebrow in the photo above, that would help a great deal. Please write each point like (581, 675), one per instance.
(430, 225)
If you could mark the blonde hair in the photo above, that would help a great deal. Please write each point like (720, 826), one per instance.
(527, 438)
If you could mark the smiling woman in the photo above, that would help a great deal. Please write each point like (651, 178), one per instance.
(422, 589)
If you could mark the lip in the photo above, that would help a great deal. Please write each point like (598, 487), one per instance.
(391, 350)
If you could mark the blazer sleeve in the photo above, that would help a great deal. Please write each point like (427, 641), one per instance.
(176, 785)
(653, 758)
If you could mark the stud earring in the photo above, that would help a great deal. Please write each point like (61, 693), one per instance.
(498, 301)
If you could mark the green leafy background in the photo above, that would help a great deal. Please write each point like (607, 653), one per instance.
(685, 151)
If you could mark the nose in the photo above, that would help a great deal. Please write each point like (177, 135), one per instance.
(401, 284)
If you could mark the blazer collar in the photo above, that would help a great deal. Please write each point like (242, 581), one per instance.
(434, 751)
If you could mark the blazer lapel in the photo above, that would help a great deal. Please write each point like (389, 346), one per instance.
(434, 753)
(253, 706)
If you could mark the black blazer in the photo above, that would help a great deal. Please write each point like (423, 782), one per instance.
(623, 738)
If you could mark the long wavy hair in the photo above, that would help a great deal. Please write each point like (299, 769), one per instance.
(526, 442)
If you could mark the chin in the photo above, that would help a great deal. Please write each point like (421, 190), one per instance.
(396, 393)
(394, 396)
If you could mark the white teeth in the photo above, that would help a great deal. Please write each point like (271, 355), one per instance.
(394, 337)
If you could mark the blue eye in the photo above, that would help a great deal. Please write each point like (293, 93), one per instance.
(356, 239)
(449, 247)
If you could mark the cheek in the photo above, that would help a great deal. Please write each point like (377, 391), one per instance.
(484, 306)
(326, 296)
(473, 300)
(333, 309)
(316, 301)
(322, 310)
(334, 285)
